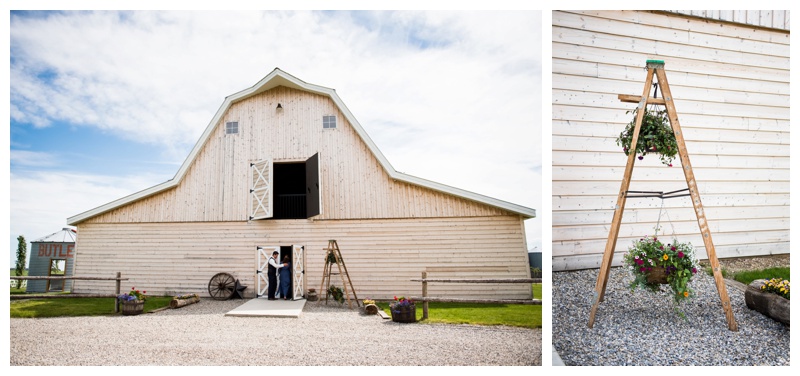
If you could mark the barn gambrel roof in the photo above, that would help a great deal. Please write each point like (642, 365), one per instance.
(280, 78)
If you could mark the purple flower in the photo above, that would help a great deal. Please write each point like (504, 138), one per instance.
(694, 270)
(641, 157)
(673, 248)
(680, 254)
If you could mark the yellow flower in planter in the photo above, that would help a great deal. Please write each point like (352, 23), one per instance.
(666, 257)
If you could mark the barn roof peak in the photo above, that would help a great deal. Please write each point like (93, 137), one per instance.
(275, 78)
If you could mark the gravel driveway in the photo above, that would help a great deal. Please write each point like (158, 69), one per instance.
(200, 334)
(640, 328)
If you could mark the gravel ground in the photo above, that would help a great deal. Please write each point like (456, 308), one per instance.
(200, 334)
(641, 328)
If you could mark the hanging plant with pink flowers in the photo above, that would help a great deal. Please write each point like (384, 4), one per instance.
(653, 263)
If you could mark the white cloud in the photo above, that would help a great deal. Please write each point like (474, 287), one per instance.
(32, 158)
(42, 201)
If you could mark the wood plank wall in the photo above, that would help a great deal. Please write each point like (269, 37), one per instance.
(731, 89)
(381, 256)
(775, 19)
(355, 186)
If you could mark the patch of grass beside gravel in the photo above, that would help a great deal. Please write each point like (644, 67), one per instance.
(70, 307)
(747, 276)
(517, 315)
(751, 275)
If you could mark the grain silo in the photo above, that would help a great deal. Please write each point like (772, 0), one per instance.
(52, 255)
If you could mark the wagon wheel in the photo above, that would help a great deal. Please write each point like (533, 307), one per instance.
(221, 286)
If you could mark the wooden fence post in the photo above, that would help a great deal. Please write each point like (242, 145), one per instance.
(116, 300)
(424, 295)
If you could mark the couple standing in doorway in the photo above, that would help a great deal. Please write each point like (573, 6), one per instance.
(284, 269)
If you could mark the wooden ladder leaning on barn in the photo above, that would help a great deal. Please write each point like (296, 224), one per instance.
(334, 256)
(656, 67)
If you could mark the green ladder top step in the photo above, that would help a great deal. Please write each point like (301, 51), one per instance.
(654, 62)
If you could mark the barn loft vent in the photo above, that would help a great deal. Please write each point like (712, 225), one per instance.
(232, 127)
(329, 122)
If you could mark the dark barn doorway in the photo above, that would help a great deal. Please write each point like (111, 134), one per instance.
(286, 251)
(296, 186)
(290, 190)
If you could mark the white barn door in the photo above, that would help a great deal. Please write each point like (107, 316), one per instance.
(261, 190)
(262, 266)
(298, 258)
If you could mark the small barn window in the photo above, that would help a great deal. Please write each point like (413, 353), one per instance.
(328, 122)
(232, 127)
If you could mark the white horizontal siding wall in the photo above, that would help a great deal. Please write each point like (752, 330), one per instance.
(774, 19)
(731, 89)
(381, 256)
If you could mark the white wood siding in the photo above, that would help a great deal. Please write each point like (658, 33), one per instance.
(355, 186)
(381, 256)
(774, 19)
(731, 89)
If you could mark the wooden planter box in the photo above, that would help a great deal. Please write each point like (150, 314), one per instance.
(767, 303)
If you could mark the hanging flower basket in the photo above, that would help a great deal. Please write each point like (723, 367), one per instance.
(653, 264)
(655, 136)
(657, 275)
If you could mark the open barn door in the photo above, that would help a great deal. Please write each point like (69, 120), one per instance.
(298, 272)
(261, 205)
(262, 266)
(313, 200)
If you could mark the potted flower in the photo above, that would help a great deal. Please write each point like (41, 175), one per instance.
(770, 298)
(653, 263)
(370, 307)
(655, 136)
(132, 302)
(403, 310)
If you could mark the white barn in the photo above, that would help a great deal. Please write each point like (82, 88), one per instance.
(729, 74)
(285, 164)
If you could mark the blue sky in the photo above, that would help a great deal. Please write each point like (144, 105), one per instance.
(105, 104)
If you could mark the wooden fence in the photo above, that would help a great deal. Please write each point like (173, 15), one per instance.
(425, 299)
(118, 278)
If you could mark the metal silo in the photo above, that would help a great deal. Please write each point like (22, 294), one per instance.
(52, 255)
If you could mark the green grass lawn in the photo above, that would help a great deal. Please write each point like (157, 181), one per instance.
(519, 315)
(57, 307)
(751, 275)
(525, 316)
(748, 276)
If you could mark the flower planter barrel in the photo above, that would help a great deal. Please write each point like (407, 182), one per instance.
(767, 303)
(404, 313)
(132, 307)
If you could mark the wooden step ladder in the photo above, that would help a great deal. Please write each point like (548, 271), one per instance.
(656, 67)
(333, 253)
